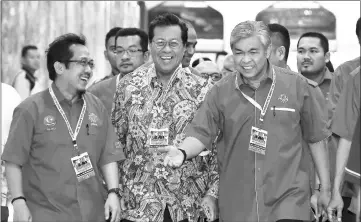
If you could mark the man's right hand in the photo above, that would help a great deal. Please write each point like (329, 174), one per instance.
(174, 157)
(21, 212)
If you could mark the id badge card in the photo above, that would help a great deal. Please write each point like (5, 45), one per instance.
(258, 141)
(159, 137)
(83, 167)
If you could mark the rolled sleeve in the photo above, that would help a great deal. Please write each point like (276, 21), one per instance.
(17, 147)
(348, 109)
(205, 124)
(112, 152)
(313, 115)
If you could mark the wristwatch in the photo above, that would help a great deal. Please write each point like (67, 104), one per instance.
(114, 190)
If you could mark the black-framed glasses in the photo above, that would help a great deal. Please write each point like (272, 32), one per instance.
(131, 52)
(83, 62)
(173, 44)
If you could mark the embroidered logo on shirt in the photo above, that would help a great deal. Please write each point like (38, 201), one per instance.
(93, 119)
(50, 122)
(283, 98)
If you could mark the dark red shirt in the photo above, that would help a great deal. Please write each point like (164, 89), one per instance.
(278, 182)
(40, 143)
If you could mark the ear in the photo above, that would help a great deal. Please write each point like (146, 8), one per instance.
(106, 55)
(146, 56)
(59, 68)
(327, 57)
(268, 51)
(281, 52)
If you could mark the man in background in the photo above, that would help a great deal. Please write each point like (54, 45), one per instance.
(280, 39)
(109, 52)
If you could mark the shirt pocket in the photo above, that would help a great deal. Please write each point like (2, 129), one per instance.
(285, 117)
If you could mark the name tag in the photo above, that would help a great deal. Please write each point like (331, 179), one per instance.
(83, 167)
(159, 137)
(258, 141)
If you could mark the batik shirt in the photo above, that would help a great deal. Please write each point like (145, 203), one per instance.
(142, 103)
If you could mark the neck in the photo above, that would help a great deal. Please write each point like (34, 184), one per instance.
(283, 64)
(316, 77)
(68, 92)
(115, 72)
(28, 69)
(164, 77)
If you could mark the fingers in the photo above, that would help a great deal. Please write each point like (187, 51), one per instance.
(339, 213)
(106, 211)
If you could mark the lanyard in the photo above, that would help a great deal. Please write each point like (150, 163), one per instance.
(268, 100)
(72, 134)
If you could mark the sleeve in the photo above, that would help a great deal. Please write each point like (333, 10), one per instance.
(348, 109)
(119, 117)
(313, 114)
(205, 124)
(22, 86)
(213, 183)
(17, 147)
(112, 151)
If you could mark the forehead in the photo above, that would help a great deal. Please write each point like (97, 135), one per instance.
(309, 42)
(167, 32)
(127, 41)
(79, 51)
(192, 35)
(32, 52)
(245, 44)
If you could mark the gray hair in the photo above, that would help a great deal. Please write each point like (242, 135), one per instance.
(251, 28)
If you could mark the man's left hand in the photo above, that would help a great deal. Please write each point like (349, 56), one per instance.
(112, 205)
(322, 203)
(210, 207)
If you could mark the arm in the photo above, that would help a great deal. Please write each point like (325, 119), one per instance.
(22, 85)
(320, 157)
(343, 152)
(110, 173)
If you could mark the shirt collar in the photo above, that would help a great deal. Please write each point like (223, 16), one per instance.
(327, 76)
(153, 78)
(240, 80)
(60, 97)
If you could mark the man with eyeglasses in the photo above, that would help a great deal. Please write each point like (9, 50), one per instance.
(60, 142)
(131, 51)
(161, 99)
(209, 69)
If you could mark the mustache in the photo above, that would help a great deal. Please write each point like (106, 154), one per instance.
(306, 61)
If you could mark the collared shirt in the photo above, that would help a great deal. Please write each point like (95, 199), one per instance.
(105, 91)
(325, 82)
(275, 185)
(10, 99)
(40, 143)
(141, 103)
(348, 108)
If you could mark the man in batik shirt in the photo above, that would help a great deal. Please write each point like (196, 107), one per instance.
(152, 107)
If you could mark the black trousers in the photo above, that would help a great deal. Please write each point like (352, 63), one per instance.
(4, 214)
(167, 218)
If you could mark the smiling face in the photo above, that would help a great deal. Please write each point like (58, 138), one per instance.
(77, 74)
(250, 57)
(311, 58)
(168, 57)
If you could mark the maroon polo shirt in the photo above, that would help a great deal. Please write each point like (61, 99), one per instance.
(277, 182)
(40, 143)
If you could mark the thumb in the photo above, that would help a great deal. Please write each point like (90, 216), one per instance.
(106, 211)
(122, 204)
(164, 149)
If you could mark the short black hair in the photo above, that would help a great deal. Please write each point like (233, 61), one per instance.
(330, 66)
(197, 61)
(112, 32)
(323, 39)
(134, 31)
(59, 51)
(221, 53)
(358, 27)
(26, 48)
(283, 35)
(168, 19)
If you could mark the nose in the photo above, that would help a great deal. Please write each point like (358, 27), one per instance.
(167, 48)
(125, 56)
(246, 58)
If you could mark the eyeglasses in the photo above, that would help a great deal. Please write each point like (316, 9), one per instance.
(131, 52)
(83, 62)
(173, 44)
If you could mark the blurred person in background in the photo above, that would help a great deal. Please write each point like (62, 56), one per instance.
(191, 44)
(228, 65)
(131, 51)
(199, 60)
(220, 56)
(109, 52)
(280, 39)
(209, 69)
(25, 80)
(10, 99)
(329, 65)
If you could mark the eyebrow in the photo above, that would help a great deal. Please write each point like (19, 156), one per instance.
(248, 50)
